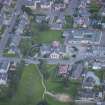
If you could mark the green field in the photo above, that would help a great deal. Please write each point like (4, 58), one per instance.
(30, 89)
(47, 36)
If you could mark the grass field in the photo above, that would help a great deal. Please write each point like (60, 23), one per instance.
(30, 89)
(47, 36)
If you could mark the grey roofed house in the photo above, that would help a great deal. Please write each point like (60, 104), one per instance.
(66, 33)
(56, 26)
(99, 51)
(40, 19)
(88, 83)
(44, 49)
(82, 35)
(86, 95)
(28, 2)
(4, 65)
(32, 2)
(90, 80)
(5, 2)
(77, 71)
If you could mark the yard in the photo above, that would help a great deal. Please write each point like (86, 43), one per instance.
(30, 89)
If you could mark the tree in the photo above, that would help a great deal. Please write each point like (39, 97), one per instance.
(43, 26)
(25, 46)
(94, 7)
(27, 10)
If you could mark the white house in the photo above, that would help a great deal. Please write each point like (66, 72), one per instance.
(54, 55)
(4, 67)
(96, 66)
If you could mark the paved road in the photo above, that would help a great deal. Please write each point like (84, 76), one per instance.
(102, 41)
(6, 36)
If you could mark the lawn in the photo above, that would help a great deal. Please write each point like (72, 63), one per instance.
(30, 89)
(47, 36)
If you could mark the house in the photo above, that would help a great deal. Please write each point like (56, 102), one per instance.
(63, 70)
(12, 66)
(6, 2)
(39, 4)
(99, 51)
(90, 80)
(86, 96)
(4, 67)
(56, 26)
(82, 36)
(54, 50)
(54, 55)
(40, 19)
(59, 6)
(57, 22)
(81, 22)
(12, 50)
(66, 1)
(96, 66)
(77, 70)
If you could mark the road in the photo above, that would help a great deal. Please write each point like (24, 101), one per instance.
(6, 35)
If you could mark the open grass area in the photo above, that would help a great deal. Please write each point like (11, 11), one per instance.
(30, 89)
(47, 36)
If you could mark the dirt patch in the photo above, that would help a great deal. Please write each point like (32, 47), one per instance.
(63, 97)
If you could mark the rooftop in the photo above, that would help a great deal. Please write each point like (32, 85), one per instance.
(83, 35)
